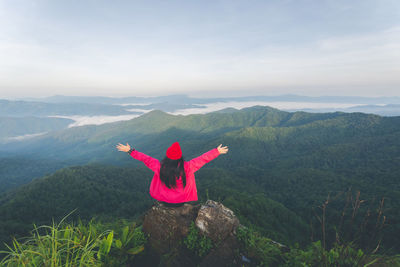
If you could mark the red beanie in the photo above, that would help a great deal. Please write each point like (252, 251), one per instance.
(174, 151)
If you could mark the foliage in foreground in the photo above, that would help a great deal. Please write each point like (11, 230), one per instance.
(92, 244)
(265, 252)
(99, 244)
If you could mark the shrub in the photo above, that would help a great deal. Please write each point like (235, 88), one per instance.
(259, 248)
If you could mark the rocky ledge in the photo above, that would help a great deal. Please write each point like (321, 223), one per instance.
(167, 228)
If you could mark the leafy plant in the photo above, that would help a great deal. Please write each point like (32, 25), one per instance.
(105, 245)
(128, 242)
(199, 244)
(265, 252)
(339, 255)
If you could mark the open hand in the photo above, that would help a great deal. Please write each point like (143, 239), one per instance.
(123, 148)
(222, 149)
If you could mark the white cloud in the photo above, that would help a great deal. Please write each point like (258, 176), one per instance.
(23, 137)
(95, 120)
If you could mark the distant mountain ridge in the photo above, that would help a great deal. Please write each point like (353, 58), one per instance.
(43, 109)
(183, 104)
(194, 100)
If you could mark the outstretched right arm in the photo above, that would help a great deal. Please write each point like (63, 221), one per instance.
(152, 163)
(196, 163)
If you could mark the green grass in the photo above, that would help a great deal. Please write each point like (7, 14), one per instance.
(91, 244)
(55, 246)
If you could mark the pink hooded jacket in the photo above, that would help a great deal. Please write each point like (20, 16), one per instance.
(159, 191)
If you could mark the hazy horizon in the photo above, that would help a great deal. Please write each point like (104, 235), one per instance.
(191, 95)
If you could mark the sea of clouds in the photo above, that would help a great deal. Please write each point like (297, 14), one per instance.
(206, 108)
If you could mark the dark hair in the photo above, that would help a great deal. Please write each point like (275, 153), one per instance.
(171, 170)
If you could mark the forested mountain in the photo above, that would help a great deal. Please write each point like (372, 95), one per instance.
(259, 132)
(294, 162)
(382, 110)
(152, 124)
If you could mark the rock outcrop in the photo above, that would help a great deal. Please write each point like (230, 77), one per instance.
(216, 221)
(168, 226)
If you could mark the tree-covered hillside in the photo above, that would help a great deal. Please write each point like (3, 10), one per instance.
(17, 170)
(295, 160)
(109, 192)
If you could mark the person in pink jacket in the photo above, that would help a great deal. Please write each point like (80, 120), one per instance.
(173, 182)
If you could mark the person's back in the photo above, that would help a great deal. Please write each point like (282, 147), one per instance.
(174, 181)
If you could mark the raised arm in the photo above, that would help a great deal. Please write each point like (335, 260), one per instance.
(152, 163)
(196, 163)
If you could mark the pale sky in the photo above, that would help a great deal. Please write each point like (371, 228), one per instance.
(144, 48)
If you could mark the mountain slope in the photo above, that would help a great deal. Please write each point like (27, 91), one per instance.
(115, 192)
(17, 170)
